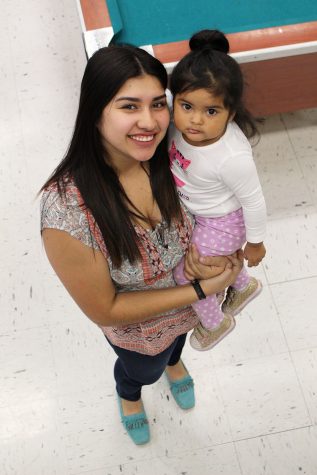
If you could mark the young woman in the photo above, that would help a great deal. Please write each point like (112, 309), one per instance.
(114, 229)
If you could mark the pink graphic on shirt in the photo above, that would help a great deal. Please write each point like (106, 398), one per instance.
(177, 159)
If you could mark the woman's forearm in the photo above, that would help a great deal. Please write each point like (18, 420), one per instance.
(138, 306)
(87, 278)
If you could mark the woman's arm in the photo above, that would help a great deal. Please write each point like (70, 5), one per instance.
(85, 274)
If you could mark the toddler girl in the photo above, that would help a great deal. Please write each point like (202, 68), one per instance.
(212, 163)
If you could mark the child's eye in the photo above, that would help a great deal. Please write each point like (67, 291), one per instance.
(211, 111)
(186, 107)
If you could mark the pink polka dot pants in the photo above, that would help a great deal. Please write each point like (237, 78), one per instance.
(216, 237)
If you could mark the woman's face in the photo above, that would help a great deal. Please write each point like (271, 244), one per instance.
(135, 121)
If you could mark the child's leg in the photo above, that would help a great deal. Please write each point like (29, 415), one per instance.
(241, 292)
(217, 236)
(209, 312)
(220, 237)
(237, 299)
(215, 325)
(213, 237)
(242, 280)
(228, 235)
(180, 279)
(178, 274)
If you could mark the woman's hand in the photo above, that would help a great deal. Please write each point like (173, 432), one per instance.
(199, 267)
(226, 278)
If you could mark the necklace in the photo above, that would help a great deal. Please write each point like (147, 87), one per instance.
(161, 234)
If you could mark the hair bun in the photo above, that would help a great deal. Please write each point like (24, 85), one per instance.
(209, 39)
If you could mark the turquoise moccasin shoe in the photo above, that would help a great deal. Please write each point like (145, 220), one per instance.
(136, 425)
(183, 391)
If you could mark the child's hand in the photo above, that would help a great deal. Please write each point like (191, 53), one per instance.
(254, 253)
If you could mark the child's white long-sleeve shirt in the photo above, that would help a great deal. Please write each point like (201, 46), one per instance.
(219, 178)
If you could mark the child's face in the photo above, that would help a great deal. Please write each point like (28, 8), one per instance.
(200, 116)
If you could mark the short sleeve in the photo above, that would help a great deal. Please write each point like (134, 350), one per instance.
(65, 214)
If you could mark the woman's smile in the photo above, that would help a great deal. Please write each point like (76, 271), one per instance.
(142, 137)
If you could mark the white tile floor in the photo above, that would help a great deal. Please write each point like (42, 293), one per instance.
(256, 408)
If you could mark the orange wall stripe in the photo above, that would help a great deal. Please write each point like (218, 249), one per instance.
(95, 13)
(247, 40)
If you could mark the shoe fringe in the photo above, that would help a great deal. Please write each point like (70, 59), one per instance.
(136, 424)
(185, 387)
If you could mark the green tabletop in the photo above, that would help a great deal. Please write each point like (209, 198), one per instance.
(142, 22)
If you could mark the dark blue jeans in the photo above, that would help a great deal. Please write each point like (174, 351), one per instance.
(133, 370)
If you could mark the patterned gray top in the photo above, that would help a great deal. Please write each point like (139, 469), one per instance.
(161, 249)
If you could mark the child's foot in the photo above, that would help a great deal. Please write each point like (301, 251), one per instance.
(236, 300)
(203, 339)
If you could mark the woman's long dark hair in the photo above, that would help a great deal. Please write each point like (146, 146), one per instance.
(208, 66)
(86, 159)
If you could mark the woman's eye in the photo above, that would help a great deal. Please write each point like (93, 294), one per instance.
(159, 105)
(186, 107)
(130, 107)
(211, 111)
